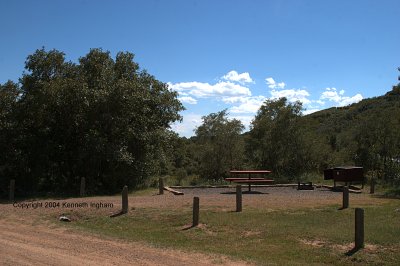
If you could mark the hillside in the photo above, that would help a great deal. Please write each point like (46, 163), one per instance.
(361, 133)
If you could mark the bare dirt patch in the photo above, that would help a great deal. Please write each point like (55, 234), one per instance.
(22, 243)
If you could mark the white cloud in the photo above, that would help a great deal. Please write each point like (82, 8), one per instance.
(234, 99)
(206, 90)
(248, 104)
(245, 119)
(188, 100)
(319, 102)
(332, 95)
(235, 76)
(273, 85)
(349, 100)
(292, 95)
(310, 111)
(188, 125)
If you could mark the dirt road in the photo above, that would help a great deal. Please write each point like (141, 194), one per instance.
(30, 244)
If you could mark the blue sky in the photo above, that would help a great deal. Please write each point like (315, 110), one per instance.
(222, 54)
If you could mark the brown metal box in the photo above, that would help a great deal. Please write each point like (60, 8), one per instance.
(345, 174)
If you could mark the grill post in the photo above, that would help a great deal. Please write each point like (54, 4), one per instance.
(160, 186)
(359, 228)
(345, 197)
(196, 210)
(238, 198)
(372, 188)
(125, 199)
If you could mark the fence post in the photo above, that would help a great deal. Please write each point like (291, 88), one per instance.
(125, 199)
(196, 210)
(12, 189)
(83, 183)
(359, 228)
(372, 188)
(160, 186)
(345, 197)
(238, 198)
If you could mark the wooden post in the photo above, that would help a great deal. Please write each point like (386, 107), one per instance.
(12, 189)
(83, 183)
(359, 228)
(372, 188)
(125, 199)
(345, 197)
(196, 210)
(238, 198)
(160, 186)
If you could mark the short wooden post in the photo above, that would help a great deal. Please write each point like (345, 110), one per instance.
(12, 189)
(372, 188)
(345, 197)
(125, 199)
(359, 228)
(83, 183)
(196, 210)
(160, 186)
(238, 198)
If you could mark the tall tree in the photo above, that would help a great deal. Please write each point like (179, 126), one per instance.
(9, 134)
(275, 140)
(103, 119)
(221, 147)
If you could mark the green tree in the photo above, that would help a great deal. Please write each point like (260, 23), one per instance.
(103, 119)
(275, 140)
(220, 145)
(9, 135)
(377, 142)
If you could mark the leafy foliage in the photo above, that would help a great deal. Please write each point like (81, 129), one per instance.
(102, 119)
(275, 140)
(220, 146)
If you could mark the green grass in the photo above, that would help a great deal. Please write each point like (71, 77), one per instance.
(282, 237)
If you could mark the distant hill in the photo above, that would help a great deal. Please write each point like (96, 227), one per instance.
(332, 133)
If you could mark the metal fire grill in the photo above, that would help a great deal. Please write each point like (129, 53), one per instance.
(347, 174)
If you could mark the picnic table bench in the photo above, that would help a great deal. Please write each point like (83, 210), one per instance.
(249, 180)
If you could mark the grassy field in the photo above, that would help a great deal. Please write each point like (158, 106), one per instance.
(303, 236)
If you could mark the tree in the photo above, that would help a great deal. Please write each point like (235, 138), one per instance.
(102, 119)
(220, 142)
(377, 145)
(9, 134)
(275, 140)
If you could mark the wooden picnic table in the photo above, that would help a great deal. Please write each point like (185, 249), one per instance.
(250, 179)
